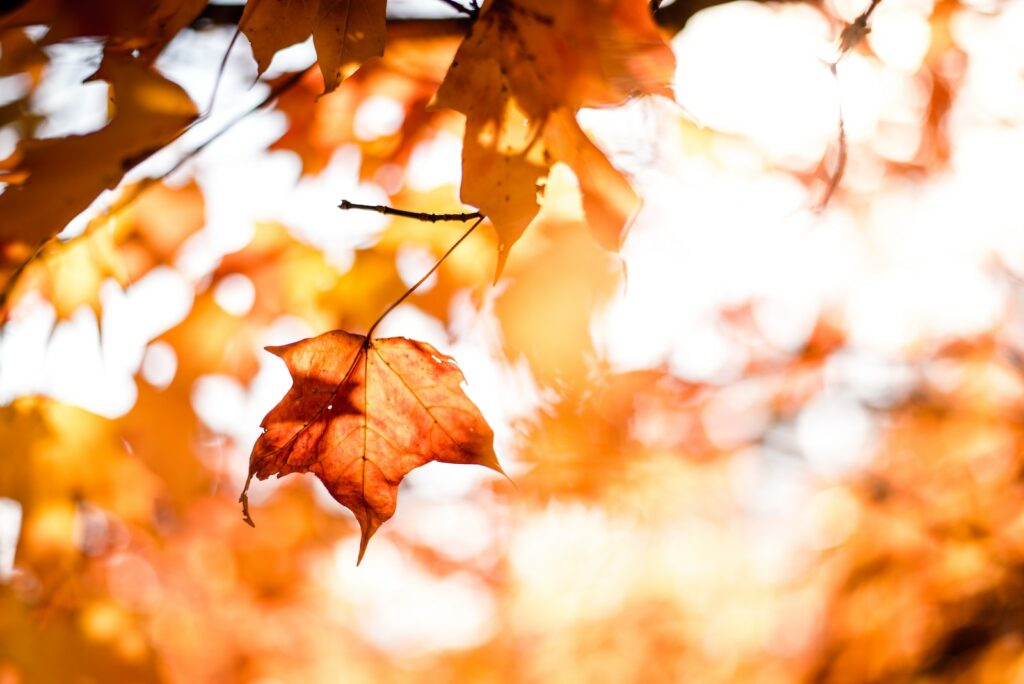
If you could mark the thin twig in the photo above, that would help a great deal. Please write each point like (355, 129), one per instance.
(850, 37)
(855, 31)
(274, 93)
(461, 9)
(223, 67)
(419, 216)
(841, 150)
(427, 217)
(670, 17)
(369, 333)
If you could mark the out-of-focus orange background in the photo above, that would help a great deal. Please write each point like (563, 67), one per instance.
(770, 442)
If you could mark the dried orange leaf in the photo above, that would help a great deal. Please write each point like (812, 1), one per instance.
(149, 112)
(609, 201)
(361, 415)
(527, 62)
(344, 31)
(143, 25)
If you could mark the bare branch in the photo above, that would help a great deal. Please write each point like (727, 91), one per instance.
(462, 9)
(671, 17)
(855, 31)
(419, 216)
(850, 37)
(841, 151)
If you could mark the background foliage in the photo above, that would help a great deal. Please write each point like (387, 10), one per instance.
(773, 438)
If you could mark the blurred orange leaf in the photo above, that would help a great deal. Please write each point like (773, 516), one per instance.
(59, 457)
(408, 73)
(122, 245)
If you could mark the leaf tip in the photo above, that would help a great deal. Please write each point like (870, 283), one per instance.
(363, 541)
(501, 471)
(368, 525)
(276, 350)
(490, 461)
(500, 266)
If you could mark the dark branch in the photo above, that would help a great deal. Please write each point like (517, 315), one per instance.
(419, 216)
(852, 34)
(672, 17)
(855, 31)
(461, 9)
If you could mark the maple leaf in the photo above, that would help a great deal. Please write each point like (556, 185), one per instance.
(143, 25)
(361, 414)
(149, 112)
(344, 31)
(519, 78)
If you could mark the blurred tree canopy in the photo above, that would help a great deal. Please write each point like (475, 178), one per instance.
(732, 290)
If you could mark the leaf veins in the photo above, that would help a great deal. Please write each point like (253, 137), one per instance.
(361, 415)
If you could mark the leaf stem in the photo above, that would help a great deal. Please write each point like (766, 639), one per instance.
(397, 302)
(243, 499)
